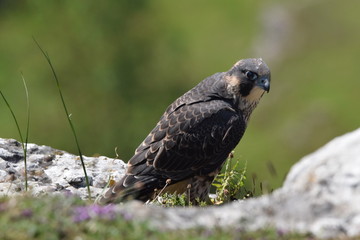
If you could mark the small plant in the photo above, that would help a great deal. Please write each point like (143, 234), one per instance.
(229, 183)
(169, 199)
(228, 187)
(176, 200)
(172, 200)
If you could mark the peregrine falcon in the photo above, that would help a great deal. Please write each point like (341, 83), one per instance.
(193, 138)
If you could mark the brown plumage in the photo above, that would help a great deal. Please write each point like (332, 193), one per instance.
(188, 146)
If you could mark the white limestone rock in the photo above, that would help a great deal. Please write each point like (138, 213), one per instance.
(51, 170)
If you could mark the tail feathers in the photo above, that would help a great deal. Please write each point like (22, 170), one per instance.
(132, 187)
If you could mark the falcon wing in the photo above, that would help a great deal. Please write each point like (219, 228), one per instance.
(194, 138)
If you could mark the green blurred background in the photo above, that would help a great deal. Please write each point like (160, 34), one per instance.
(121, 63)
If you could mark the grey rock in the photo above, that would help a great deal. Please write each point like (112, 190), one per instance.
(79, 182)
(53, 171)
(10, 150)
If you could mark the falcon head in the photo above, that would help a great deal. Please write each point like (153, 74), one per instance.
(247, 81)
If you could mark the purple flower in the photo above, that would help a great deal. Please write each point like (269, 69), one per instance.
(280, 232)
(207, 233)
(104, 212)
(81, 214)
(84, 213)
(27, 213)
(3, 207)
(127, 216)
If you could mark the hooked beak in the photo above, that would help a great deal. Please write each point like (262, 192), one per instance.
(263, 83)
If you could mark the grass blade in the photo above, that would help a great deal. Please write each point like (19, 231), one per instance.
(13, 115)
(67, 115)
(27, 130)
(24, 146)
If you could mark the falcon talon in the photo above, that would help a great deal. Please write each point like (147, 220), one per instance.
(194, 136)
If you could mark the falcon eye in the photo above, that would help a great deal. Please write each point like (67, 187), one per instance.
(250, 75)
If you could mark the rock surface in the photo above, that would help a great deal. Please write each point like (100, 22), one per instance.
(321, 194)
(53, 171)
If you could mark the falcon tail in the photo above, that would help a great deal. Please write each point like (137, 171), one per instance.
(132, 187)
